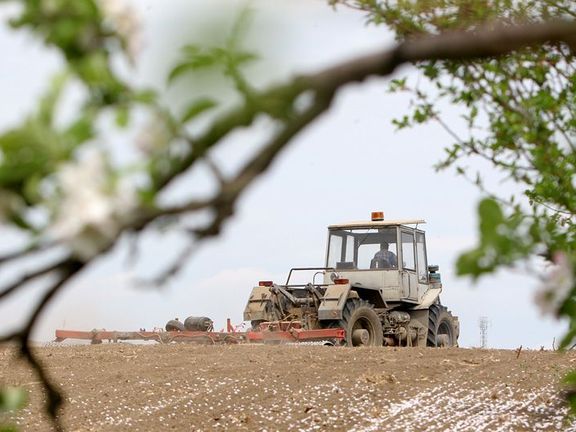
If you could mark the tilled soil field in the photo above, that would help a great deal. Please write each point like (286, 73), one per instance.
(123, 387)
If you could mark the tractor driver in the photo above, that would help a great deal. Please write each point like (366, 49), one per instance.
(385, 255)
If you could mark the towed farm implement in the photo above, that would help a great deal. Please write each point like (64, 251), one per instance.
(285, 333)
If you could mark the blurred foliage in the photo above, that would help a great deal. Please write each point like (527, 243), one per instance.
(91, 36)
(518, 113)
(60, 185)
(518, 116)
(570, 380)
(33, 151)
(11, 399)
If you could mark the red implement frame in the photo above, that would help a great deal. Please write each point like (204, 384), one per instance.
(209, 338)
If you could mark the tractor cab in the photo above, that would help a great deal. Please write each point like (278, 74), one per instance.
(389, 255)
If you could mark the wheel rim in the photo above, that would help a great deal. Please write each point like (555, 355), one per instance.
(362, 332)
(444, 335)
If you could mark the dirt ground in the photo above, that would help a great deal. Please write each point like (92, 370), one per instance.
(123, 387)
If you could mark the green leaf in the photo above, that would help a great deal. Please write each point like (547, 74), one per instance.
(179, 70)
(12, 398)
(146, 97)
(31, 190)
(431, 70)
(147, 197)
(197, 108)
(122, 116)
(26, 153)
(197, 60)
(469, 264)
(240, 29)
(491, 217)
(241, 58)
(568, 338)
(397, 85)
(570, 378)
(49, 101)
(80, 130)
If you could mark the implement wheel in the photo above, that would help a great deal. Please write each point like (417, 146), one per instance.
(174, 325)
(256, 325)
(362, 325)
(443, 330)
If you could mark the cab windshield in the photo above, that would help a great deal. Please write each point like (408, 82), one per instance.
(363, 248)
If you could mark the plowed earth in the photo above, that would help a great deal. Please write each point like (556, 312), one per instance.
(123, 387)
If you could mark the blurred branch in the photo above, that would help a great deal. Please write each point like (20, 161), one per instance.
(231, 192)
(489, 41)
(216, 172)
(190, 206)
(176, 266)
(30, 249)
(19, 283)
(67, 269)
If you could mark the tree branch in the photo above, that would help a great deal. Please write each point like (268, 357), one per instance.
(54, 399)
(224, 203)
(492, 40)
(183, 257)
(30, 249)
(14, 286)
(489, 41)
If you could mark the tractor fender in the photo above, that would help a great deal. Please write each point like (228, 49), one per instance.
(333, 301)
(428, 298)
(258, 304)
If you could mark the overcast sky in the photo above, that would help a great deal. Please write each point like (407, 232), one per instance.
(347, 164)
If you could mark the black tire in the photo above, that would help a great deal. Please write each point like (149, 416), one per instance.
(256, 325)
(360, 315)
(174, 325)
(442, 331)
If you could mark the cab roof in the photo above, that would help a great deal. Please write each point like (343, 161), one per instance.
(377, 224)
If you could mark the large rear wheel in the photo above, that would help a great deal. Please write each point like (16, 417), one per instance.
(443, 330)
(361, 323)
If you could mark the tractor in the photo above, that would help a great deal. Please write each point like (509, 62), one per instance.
(376, 285)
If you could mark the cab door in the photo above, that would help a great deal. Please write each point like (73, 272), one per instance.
(408, 266)
(421, 263)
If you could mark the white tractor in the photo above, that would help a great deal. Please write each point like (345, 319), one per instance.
(376, 285)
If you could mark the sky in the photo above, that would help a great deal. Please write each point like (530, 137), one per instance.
(348, 163)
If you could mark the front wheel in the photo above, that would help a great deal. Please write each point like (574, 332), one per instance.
(361, 324)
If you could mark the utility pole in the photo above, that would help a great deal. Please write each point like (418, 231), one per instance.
(483, 324)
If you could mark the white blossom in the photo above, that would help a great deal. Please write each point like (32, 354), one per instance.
(92, 209)
(152, 137)
(556, 286)
(127, 24)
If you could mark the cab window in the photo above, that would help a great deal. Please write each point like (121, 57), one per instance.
(355, 248)
(408, 251)
(421, 256)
